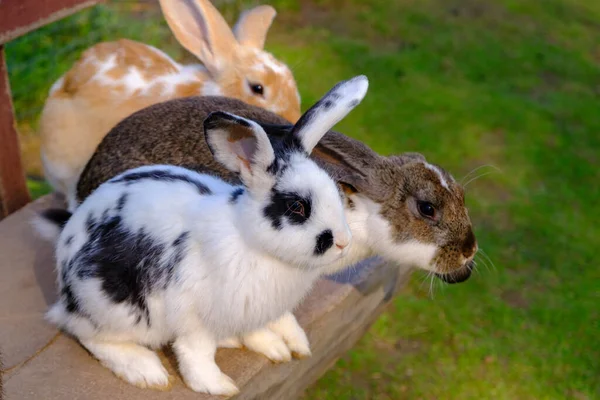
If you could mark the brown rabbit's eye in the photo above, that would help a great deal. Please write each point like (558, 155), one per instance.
(257, 88)
(295, 207)
(426, 209)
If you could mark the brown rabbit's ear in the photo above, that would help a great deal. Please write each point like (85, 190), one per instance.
(200, 28)
(405, 158)
(253, 25)
(350, 163)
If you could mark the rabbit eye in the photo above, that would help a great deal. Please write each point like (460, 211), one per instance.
(295, 207)
(257, 88)
(426, 209)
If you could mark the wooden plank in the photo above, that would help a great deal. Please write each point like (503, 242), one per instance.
(13, 189)
(18, 17)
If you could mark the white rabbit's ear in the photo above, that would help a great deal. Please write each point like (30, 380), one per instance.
(200, 28)
(330, 110)
(240, 144)
(253, 25)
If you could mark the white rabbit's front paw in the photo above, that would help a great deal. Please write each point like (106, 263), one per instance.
(216, 384)
(298, 344)
(292, 333)
(196, 356)
(266, 342)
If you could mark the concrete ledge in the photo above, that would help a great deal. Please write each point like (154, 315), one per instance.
(41, 363)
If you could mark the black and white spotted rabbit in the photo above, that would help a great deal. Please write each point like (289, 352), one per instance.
(162, 253)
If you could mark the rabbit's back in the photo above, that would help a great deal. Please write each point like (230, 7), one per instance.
(167, 133)
(124, 248)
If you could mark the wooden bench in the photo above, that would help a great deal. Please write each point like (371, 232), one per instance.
(38, 362)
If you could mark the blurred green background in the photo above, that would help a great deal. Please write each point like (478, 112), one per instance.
(511, 87)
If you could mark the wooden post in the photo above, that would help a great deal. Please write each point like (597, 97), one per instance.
(13, 189)
(18, 17)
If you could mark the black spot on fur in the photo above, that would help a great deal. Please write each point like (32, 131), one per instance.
(70, 301)
(163, 175)
(353, 103)
(279, 164)
(129, 265)
(68, 240)
(327, 104)
(57, 216)
(68, 297)
(333, 94)
(121, 202)
(324, 242)
(282, 206)
(181, 239)
(290, 144)
(235, 194)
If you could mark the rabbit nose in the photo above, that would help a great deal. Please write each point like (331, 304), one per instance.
(342, 240)
(341, 246)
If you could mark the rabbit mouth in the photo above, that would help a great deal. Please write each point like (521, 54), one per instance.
(458, 276)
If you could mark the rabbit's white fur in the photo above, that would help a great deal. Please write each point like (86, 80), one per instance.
(161, 253)
(223, 286)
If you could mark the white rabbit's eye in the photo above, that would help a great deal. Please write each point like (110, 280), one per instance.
(295, 207)
(426, 209)
(257, 88)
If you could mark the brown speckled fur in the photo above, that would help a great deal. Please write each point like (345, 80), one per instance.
(165, 133)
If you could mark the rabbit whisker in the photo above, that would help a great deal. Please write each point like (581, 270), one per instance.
(478, 168)
(431, 285)
(484, 254)
(424, 278)
(477, 177)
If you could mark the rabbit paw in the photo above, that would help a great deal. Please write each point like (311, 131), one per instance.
(287, 327)
(218, 385)
(131, 362)
(266, 342)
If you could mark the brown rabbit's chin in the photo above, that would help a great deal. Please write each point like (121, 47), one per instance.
(458, 276)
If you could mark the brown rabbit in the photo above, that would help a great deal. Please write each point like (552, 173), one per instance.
(399, 207)
(112, 80)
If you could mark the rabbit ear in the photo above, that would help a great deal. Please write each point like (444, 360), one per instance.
(328, 111)
(240, 144)
(352, 164)
(252, 26)
(200, 28)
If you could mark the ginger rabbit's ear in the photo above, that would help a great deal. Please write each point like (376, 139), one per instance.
(253, 25)
(200, 28)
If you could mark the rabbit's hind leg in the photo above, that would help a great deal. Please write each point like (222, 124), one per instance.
(132, 362)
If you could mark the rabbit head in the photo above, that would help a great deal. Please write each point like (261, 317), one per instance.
(414, 211)
(258, 78)
(299, 214)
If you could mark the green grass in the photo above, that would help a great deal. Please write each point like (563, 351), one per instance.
(513, 84)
